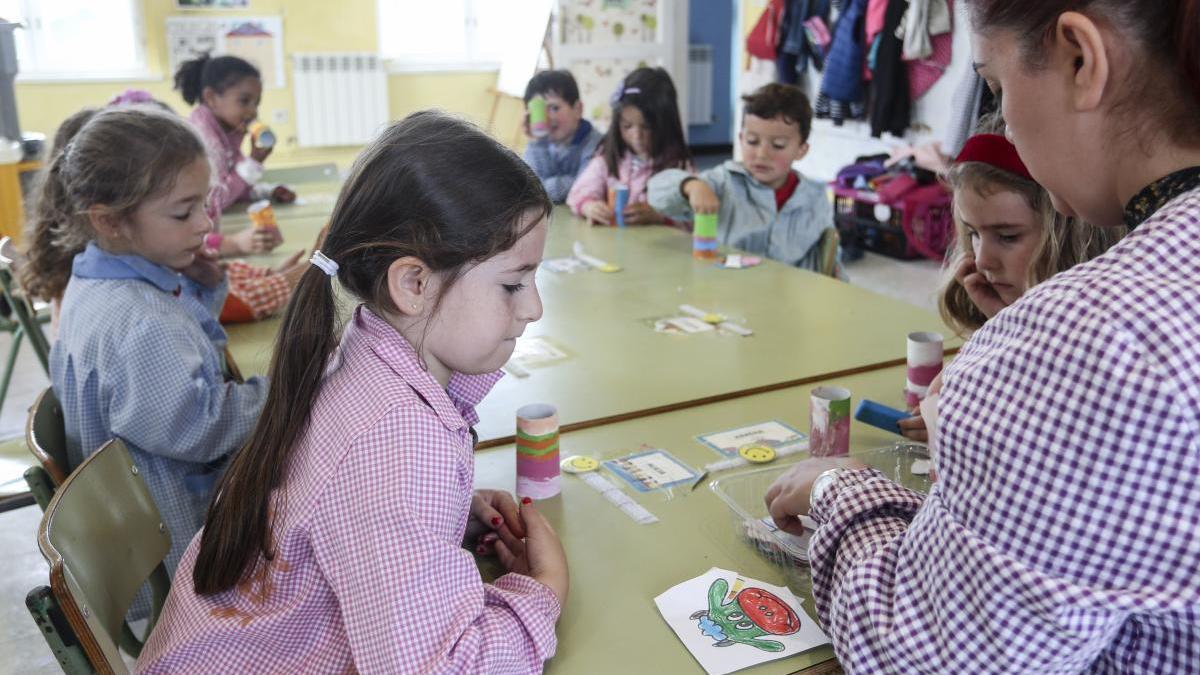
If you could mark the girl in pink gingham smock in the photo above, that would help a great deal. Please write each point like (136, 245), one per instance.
(336, 543)
(644, 137)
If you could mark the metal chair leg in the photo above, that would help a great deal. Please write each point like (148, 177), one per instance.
(11, 365)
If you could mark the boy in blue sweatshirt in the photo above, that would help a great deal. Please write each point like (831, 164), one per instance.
(558, 156)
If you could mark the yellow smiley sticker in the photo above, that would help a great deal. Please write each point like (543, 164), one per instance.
(757, 454)
(713, 318)
(609, 268)
(579, 464)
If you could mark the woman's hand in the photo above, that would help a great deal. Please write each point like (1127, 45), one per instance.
(913, 428)
(788, 497)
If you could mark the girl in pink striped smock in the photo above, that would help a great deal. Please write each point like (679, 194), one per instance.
(336, 540)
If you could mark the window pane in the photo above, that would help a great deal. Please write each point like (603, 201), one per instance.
(96, 36)
(419, 28)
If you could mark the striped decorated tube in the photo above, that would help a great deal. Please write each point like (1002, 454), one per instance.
(925, 358)
(537, 451)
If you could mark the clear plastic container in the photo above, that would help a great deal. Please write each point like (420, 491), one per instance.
(744, 492)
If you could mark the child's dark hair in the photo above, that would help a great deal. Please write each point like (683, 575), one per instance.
(116, 157)
(560, 82)
(785, 101)
(432, 186)
(651, 91)
(219, 73)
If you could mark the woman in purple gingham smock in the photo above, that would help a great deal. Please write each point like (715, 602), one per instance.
(1063, 533)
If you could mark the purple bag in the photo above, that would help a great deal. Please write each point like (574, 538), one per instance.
(867, 170)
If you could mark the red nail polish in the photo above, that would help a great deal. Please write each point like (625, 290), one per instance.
(480, 550)
(496, 521)
(526, 500)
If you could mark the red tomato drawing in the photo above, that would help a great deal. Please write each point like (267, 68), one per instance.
(768, 612)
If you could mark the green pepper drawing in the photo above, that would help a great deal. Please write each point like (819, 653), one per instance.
(752, 613)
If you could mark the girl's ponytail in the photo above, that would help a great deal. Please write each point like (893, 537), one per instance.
(238, 526)
(53, 235)
(189, 79)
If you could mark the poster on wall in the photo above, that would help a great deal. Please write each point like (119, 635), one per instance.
(258, 39)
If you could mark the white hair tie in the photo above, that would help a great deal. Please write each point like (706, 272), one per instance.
(321, 260)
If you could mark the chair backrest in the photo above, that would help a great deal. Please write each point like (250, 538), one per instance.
(830, 239)
(46, 436)
(103, 538)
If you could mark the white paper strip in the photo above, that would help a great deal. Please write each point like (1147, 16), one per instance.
(618, 498)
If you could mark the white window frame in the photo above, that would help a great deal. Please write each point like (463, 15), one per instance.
(140, 72)
(416, 63)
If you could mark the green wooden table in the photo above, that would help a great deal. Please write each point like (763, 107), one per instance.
(806, 327)
(610, 623)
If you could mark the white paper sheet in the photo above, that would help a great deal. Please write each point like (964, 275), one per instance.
(729, 622)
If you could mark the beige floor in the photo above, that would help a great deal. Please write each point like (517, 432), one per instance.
(22, 649)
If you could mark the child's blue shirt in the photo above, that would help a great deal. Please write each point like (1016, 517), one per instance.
(558, 165)
(139, 357)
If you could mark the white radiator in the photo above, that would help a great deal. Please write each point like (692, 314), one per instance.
(341, 98)
(700, 84)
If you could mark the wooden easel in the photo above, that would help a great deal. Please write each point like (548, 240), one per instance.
(498, 95)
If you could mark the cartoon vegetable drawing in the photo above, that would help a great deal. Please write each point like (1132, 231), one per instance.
(751, 614)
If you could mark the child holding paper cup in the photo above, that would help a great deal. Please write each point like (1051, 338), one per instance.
(645, 136)
(765, 207)
(226, 91)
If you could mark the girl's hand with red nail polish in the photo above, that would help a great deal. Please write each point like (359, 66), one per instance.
(491, 510)
(540, 555)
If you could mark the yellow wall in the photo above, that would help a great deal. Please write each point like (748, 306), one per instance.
(345, 25)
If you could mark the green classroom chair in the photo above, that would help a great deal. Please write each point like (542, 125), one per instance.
(46, 437)
(25, 321)
(830, 239)
(103, 539)
(53, 625)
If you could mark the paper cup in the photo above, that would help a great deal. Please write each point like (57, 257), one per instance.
(829, 422)
(704, 236)
(262, 135)
(925, 356)
(620, 201)
(261, 214)
(537, 451)
(538, 126)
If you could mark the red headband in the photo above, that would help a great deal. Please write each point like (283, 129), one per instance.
(994, 150)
